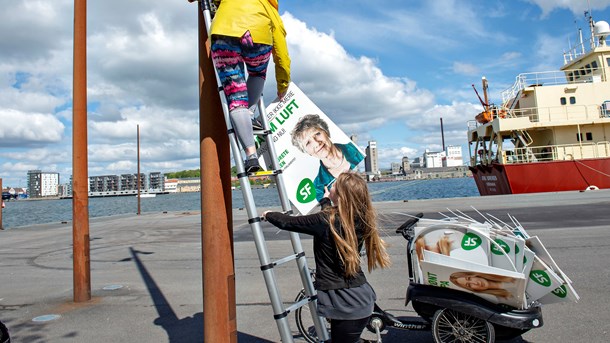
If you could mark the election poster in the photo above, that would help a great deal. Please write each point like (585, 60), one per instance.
(493, 284)
(464, 243)
(311, 150)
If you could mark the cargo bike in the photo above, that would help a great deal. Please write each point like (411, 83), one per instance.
(452, 315)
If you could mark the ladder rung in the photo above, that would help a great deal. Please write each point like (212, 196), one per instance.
(283, 260)
(266, 172)
(301, 303)
(262, 132)
(260, 173)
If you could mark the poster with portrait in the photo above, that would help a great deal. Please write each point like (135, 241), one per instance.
(311, 149)
(496, 285)
(465, 244)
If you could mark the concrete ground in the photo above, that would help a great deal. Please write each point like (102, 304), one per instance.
(146, 273)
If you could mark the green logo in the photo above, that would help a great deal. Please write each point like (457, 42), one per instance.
(306, 192)
(561, 291)
(516, 250)
(502, 244)
(540, 277)
(471, 241)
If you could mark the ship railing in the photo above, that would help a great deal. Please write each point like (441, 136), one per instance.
(551, 78)
(565, 152)
(557, 113)
(551, 113)
(472, 125)
(580, 49)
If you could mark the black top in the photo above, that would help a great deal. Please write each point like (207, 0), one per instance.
(329, 268)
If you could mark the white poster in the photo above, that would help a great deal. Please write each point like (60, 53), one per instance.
(465, 244)
(493, 284)
(542, 281)
(311, 150)
(508, 246)
(563, 293)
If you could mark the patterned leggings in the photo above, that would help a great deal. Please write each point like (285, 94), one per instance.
(228, 53)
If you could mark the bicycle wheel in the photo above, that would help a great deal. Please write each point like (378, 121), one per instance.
(453, 326)
(305, 322)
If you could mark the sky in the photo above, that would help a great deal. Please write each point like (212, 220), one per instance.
(385, 71)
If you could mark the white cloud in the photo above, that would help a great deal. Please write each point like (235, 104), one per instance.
(352, 90)
(465, 68)
(24, 129)
(576, 6)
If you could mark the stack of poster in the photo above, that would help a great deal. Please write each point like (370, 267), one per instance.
(501, 264)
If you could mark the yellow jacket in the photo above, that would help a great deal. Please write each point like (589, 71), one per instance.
(234, 17)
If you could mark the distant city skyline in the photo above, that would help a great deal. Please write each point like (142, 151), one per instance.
(362, 165)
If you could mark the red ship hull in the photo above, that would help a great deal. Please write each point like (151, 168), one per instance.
(554, 176)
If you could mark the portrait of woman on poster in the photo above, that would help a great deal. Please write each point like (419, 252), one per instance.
(311, 135)
(491, 284)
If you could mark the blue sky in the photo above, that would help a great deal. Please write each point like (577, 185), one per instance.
(383, 70)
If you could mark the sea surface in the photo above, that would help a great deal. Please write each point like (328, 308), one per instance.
(30, 212)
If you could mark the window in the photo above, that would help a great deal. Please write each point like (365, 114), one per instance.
(572, 100)
(588, 68)
(579, 137)
(594, 65)
(563, 100)
(589, 136)
(570, 77)
(608, 61)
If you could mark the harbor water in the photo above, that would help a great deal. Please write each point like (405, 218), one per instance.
(30, 212)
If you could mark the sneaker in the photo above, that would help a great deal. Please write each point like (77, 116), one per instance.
(252, 165)
(256, 125)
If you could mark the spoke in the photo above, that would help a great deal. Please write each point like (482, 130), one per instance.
(480, 336)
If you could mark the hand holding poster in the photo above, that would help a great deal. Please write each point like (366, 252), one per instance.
(312, 150)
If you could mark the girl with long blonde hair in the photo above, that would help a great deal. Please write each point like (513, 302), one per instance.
(340, 232)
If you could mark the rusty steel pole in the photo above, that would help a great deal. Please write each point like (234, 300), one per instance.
(80, 180)
(219, 311)
(138, 139)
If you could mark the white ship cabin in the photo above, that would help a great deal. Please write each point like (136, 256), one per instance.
(551, 116)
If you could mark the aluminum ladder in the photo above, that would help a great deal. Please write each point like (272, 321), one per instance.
(280, 311)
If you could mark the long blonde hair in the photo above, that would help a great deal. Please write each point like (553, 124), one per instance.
(354, 202)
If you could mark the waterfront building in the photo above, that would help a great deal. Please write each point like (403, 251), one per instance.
(124, 184)
(192, 184)
(453, 156)
(396, 168)
(433, 159)
(406, 167)
(417, 163)
(171, 185)
(104, 183)
(128, 181)
(156, 182)
(371, 164)
(42, 184)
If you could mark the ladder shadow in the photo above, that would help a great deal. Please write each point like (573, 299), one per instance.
(179, 330)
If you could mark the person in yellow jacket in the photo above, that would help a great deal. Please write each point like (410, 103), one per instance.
(248, 32)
